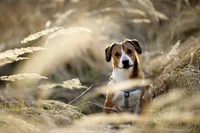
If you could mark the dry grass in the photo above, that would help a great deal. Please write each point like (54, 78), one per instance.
(39, 34)
(176, 68)
(60, 90)
(37, 116)
(11, 56)
(71, 37)
(73, 83)
(21, 77)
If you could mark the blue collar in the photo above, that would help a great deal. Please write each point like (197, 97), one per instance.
(134, 89)
(127, 94)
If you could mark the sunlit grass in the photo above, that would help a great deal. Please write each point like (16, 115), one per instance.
(70, 37)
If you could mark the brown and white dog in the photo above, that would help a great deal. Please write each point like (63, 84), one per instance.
(125, 66)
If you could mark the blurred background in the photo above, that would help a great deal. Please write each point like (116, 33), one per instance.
(70, 37)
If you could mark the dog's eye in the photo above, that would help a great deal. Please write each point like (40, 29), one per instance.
(129, 51)
(117, 54)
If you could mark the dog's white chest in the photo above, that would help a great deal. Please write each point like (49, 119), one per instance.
(121, 74)
(119, 100)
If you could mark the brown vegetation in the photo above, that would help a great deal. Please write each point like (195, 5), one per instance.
(69, 37)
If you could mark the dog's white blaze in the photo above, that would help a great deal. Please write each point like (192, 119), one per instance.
(122, 74)
(124, 56)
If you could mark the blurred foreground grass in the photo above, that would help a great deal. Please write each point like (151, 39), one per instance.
(44, 44)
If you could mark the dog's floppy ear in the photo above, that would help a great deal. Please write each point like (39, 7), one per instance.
(136, 45)
(108, 52)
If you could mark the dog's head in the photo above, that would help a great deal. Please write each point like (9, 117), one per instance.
(123, 54)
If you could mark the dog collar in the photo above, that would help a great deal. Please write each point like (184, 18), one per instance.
(133, 89)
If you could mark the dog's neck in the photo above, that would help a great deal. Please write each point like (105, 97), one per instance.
(119, 74)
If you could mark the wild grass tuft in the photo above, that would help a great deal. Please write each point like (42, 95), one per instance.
(11, 56)
(21, 77)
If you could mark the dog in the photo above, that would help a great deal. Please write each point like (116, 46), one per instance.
(126, 66)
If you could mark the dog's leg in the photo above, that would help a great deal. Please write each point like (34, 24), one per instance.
(108, 104)
(136, 111)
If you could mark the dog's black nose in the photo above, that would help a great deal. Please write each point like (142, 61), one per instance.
(125, 63)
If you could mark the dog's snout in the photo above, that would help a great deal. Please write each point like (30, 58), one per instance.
(125, 62)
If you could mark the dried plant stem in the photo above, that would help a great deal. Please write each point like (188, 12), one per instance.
(80, 95)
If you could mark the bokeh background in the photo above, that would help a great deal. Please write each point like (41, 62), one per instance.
(54, 50)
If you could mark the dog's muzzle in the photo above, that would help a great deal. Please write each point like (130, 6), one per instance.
(126, 64)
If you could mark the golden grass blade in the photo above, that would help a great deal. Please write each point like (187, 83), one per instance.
(161, 15)
(44, 91)
(109, 118)
(73, 83)
(11, 123)
(10, 56)
(135, 12)
(169, 98)
(174, 50)
(70, 84)
(39, 34)
(131, 11)
(22, 77)
(186, 117)
(62, 17)
(123, 85)
(70, 31)
(148, 5)
(63, 46)
(11, 60)
(138, 21)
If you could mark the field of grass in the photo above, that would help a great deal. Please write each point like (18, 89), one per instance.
(53, 72)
